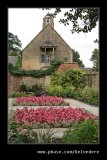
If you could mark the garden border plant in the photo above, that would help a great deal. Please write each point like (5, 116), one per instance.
(51, 115)
(85, 132)
(71, 84)
(79, 132)
(40, 101)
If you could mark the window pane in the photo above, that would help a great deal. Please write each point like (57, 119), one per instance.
(47, 58)
(42, 58)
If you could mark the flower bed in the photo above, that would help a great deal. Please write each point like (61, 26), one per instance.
(40, 101)
(51, 115)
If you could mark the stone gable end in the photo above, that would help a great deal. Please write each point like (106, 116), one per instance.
(31, 53)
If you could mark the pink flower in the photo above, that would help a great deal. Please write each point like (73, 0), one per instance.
(51, 115)
(40, 101)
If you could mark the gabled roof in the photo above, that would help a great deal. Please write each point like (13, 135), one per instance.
(42, 31)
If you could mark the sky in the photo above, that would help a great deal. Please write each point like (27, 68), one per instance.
(26, 23)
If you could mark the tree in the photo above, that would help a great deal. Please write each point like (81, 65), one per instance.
(14, 44)
(76, 58)
(82, 19)
(95, 59)
(96, 41)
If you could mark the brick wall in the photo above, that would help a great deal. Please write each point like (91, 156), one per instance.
(10, 82)
(66, 66)
(15, 81)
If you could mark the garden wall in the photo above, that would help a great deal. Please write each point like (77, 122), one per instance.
(14, 81)
(92, 79)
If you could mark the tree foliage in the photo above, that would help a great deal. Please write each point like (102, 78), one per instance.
(76, 58)
(82, 19)
(95, 59)
(14, 44)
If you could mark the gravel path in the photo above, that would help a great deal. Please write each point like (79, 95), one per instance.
(73, 103)
(77, 104)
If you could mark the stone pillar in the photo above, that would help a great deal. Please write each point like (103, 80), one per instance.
(45, 50)
(53, 52)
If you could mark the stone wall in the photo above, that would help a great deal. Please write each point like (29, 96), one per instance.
(92, 79)
(31, 53)
(15, 81)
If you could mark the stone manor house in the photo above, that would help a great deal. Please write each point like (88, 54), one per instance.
(47, 45)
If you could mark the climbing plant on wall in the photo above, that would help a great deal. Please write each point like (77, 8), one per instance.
(36, 73)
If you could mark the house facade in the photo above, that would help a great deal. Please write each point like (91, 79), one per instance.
(47, 45)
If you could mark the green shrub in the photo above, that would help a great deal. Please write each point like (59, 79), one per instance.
(29, 88)
(12, 125)
(37, 89)
(13, 53)
(22, 136)
(90, 95)
(55, 90)
(23, 87)
(14, 94)
(86, 132)
(73, 78)
(20, 94)
(69, 91)
(42, 137)
(61, 79)
(49, 90)
(87, 94)
(77, 78)
(65, 93)
(17, 138)
(10, 116)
